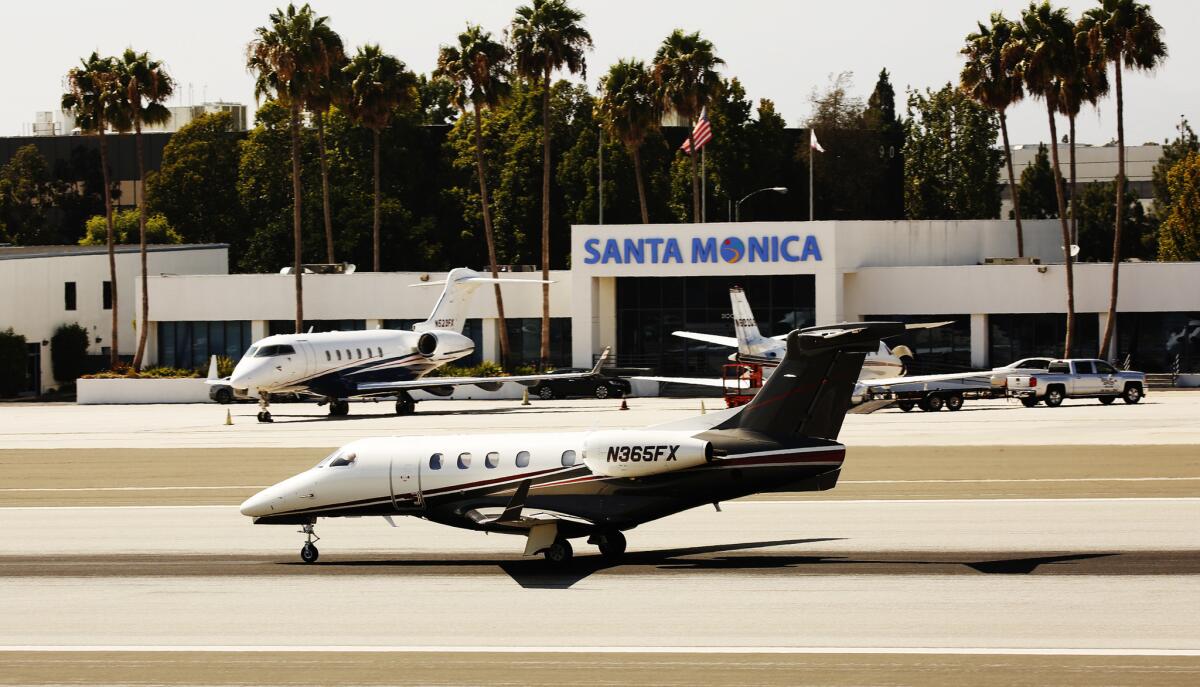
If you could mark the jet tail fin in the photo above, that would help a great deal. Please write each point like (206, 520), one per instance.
(744, 325)
(809, 393)
(450, 311)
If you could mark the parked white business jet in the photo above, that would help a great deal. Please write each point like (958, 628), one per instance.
(551, 488)
(335, 366)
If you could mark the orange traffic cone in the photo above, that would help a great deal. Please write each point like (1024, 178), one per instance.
(624, 405)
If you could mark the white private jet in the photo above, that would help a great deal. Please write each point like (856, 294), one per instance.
(335, 366)
(551, 488)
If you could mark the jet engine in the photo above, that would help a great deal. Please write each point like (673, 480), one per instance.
(427, 344)
(632, 453)
(444, 345)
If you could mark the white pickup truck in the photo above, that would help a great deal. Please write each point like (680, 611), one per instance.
(1077, 378)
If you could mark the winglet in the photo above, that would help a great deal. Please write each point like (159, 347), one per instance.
(512, 512)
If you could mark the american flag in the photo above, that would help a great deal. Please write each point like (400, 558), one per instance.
(702, 133)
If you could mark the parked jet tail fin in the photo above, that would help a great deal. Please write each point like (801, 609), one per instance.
(450, 311)
(749, 339)
(809, 393)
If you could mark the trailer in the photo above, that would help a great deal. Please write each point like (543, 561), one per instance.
(933, 395)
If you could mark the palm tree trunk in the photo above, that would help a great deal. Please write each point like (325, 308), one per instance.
(375, 243)
(320, 119)
(1111, 323)
(544, 354)
(113, 355)
(490, 237)
(641, 187)
(1074, 188)
(695, 173)
(1012, 185)
(1066, 234)
(145, 318)
(295, 127)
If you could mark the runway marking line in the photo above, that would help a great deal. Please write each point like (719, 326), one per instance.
(848, 481)
(559, 649)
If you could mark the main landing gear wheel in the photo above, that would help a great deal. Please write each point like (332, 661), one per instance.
(308, 552)
(611, 544)
(339, 408)
(1029, 401)
(906, 406)
(602, 392)
(545, 393)
(559, 553)
(954, 402)
(264, 416)
(1133, 394)
(405, 405)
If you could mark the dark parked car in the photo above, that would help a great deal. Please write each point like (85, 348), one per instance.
(599, 386)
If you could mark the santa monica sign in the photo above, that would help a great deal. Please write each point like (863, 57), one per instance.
(732, 249)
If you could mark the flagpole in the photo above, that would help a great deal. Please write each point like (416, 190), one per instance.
(703, 185)
(600, 184)
(811, 154)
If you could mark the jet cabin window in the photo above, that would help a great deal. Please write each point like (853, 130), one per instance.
(492, 459)
(339, 354)
(328, 355)
(435, 461)
(568, 458)
(523, 459)
(359, 350)
(464, 461)
(380, 348)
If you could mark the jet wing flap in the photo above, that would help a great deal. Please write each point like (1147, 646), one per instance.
(492, 518)
(708, 338)
(695, 381)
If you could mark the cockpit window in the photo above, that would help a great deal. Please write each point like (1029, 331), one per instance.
(268, 351)
(285, 350)
(329, 458)
(250, 353)
(343, 460)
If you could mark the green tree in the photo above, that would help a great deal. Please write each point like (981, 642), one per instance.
(128, 224)
(1179, 237)
(991, 81)
(146, 85)
(1043, 50)
(195, 187)
(1124, 33)
(685, 72)
(68, 352)
(29, 201)
(546, 36)
(1036, 190)
(379, 86)
(322, 93)
(477, 69)
(628, 111)
(436, 106)
(950, 165)
(286, 58)
(96, 100)
(13, 363)
(849, 173)
(1083, 82)
(1095, 208)
(886, 201)
(1172, 152)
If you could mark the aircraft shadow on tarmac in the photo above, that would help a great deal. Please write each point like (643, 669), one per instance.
(298, 418)
(534, 573)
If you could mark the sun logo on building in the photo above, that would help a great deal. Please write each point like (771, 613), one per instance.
(732, 249)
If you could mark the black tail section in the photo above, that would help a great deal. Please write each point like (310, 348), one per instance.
(809, 393)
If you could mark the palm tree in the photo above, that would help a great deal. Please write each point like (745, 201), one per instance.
(146, 85)
(628, 109)
(95, 99)
(286, 58)
(1122, 32)
(988, 80)
(478, 70)
(685, 73)
(379, 85)
(546, 36)
(1086, 83)
(323, 94)
(1043, 50)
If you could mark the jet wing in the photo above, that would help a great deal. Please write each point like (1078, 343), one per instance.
(484, 382)
(730, 341)
(695, 381)
(984, 377)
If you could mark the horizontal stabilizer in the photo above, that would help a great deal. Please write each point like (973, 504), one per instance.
(717, 339)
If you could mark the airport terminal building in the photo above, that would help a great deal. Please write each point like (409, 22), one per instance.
(631, 286)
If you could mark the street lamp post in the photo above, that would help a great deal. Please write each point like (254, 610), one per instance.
(737, 207)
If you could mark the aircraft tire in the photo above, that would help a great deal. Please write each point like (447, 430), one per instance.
(309, 553)
(405, 406)
(559, 553)
(264, 416)
(612, 545)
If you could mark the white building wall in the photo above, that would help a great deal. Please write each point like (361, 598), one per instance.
(34, 303)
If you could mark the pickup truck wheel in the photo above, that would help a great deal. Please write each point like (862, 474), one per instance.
(1029, 401)
(1054, 397)
(1133, 394)
(1107, 400)
(934, 403)
(906, 406)
(954, 402)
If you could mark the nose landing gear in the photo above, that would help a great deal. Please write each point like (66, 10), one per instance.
(264, 401)
(308, 552)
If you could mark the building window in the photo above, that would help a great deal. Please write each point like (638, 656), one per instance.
(190, 344)
(1159, 341)
(69, 295)
(941, 349)
(106, 296)
(525, 339)
(1012, 337)
(523, 459)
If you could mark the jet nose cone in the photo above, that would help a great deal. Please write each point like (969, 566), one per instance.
(260, 504)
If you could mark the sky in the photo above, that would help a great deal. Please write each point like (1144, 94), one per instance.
(779, 49)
